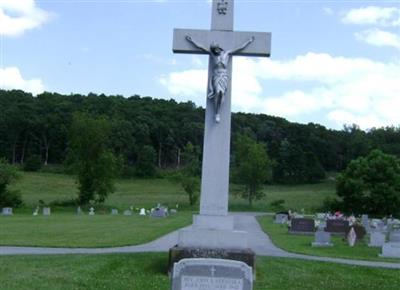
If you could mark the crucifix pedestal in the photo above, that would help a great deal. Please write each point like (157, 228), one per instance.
(213, 228)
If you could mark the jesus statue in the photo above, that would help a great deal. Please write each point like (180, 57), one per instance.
(219, 79)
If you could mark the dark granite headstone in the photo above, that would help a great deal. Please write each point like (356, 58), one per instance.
(212, 274)
(338, 227)
(302, 226)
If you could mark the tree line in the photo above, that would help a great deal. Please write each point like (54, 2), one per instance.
(143, 130)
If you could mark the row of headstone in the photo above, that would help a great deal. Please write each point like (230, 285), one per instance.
(45, 211)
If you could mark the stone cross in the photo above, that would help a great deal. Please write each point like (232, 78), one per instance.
(221, 42)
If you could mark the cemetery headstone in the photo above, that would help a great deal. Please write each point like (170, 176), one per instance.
(359, 230)
(337, 227)
(304, 226)
(321, 225)
(128, 212)
(365, 223)
(173, 211)
(376, 239)
(46, 211)
(391, 250)
(36, 211)
(79, 210)
(322, 239)
(114, 211)
(212, 274)
(351, 237)
(159, 212)
(91, 211)
(7, 211)
(281, 218)
(142, 211)
(394, 236)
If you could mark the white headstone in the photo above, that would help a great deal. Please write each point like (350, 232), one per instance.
(36, 211)
(128, 212)
(114, 211)
(351, 237)
(7, 211)
(91, 211)
(281, 218)
(390, 250)
(394, 236)
(322, 239)
(46, 211)
(142, 211)
(376, 239)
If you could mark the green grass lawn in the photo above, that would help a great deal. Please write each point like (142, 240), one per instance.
(302, 244)
(71, 230)
(148, 192)
(148, 271)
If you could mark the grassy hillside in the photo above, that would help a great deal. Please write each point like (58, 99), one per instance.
(148, 192)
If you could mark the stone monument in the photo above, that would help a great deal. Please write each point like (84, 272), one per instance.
(198, 274)
(213, 227)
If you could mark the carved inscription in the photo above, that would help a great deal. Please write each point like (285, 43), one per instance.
(222, 7)
(210, 283)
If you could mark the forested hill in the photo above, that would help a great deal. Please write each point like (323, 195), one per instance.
(40, 125)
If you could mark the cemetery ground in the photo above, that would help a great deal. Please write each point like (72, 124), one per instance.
(147, 271)
(65, 229)
(301, 244)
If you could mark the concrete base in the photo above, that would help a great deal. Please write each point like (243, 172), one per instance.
(178, 253)
(321, 245)
(213, 239)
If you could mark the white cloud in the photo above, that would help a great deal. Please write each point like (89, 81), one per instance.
(351, 90)
(189, 84)
(11, 78)
(18, 16)
(379, 37)
(384, 16)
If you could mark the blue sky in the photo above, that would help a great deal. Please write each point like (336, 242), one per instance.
(332, 62)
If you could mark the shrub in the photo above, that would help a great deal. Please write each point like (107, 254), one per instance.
(33, 163)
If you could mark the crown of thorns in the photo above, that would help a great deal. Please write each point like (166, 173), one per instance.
(215, 45)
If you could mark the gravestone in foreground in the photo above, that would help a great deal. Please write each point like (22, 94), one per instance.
(213, 228)
(211, 274)
(302, 226)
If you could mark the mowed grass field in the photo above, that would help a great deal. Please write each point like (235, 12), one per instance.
(68, 230)
(64, 228)
(148, 192)
(148, 271)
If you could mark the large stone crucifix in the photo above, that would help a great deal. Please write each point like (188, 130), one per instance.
(221, 43)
